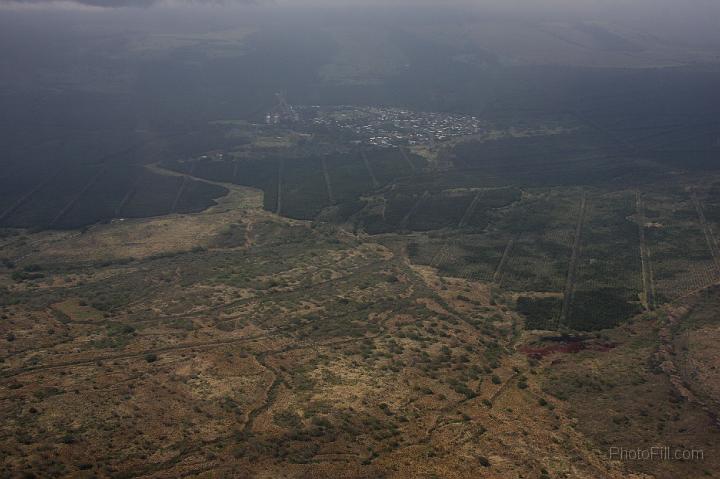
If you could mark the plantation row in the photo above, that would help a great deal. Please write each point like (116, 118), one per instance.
(527, 247)
(609, 282)
(306, 184)
(380, 182)
(81, 196)
(421, 210)
(681, 254)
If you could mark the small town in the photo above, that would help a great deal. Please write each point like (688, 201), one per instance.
(392, 127)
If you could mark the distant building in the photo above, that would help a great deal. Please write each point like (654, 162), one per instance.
(282, 112)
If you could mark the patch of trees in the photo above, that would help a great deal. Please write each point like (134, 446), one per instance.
(540, 313)
(601, 309)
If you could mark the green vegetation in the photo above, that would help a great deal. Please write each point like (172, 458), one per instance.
(540, 313)
(601, 309)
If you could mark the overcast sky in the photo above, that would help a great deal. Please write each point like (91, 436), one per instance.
(594, 5)
(676, 22)
(693, 18)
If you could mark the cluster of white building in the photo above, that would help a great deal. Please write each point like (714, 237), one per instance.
(388, 127)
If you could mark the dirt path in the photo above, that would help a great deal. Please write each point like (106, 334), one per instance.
(646, 265)
(281, 167)
(269, 334)
(570, 281)
(469, 211)
(103, 160)
(375, 182)
(406, 219)
(179, 194)
(270, 395)
(504, 387)
(707, 230)
(71, 204)
(497, 276)
(238, 197)
(452, 406)
(668, 357)
(25, 198)
(330, 283)
(441, 256)
(130, 355)
(328, 184)
(126, 199)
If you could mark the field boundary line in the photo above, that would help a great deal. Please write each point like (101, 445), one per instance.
(497, 275)
(470, 210)
(128, 197)
(440, 256)
(369, 169)
(709, 236)
(281, 168)
(25, 198)
(407, 160)
(504, 387)
(570, 280)
(328, 185)
(71, 204)
(645, 263)
(406, 219)
(130, 355)
(179, 194)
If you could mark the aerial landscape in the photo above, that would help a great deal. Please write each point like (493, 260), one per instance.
(358, 240)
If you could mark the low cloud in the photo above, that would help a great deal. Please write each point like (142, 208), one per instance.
(686, 12)
(100, 4)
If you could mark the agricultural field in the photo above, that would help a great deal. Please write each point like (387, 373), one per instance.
(527, 247)
(390, 164)
(85, 195)
(42, 207)
(103, 199)
(681, 256)
(467, 255)
(607, 284)
(565, 157)
(19, 186)
(610, 244)
(543, 227)
(439, 211)
(349, 176)
(304, 190)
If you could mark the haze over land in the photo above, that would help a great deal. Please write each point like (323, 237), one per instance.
(363, 239)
